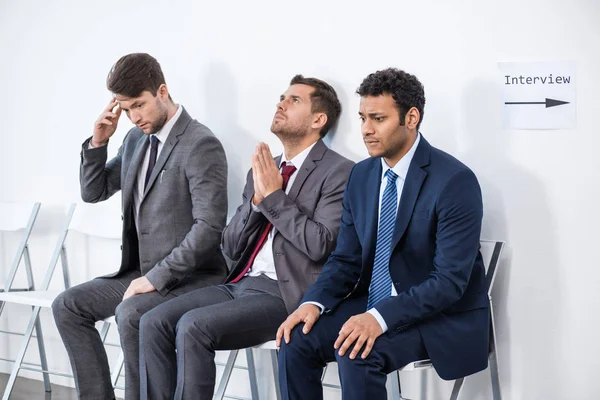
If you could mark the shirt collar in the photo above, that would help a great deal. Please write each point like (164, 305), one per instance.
(164, 132)
(401, 167)
(298, 160)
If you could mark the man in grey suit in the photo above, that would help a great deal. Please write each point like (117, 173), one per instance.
(277, 241)
(172, 173)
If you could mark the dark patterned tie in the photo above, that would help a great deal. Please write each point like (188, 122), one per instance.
(286, 173)
(381, 281)
(152, 161)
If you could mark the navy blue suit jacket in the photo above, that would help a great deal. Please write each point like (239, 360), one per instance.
(435, 262)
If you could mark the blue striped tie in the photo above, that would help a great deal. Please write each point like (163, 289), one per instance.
(381, 281)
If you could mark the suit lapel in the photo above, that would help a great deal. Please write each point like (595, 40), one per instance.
(132, 171)
(315, 154)
(371, 196)
(178, 130)
(412, 186)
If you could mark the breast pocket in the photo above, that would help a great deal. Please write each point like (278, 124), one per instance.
(169, 175)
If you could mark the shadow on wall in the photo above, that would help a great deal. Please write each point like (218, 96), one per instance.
(347, 125)
(239, 144)
(527, 296)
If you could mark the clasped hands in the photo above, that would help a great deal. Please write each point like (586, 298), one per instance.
(266, 175)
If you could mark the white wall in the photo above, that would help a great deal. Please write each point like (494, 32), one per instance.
(227, 62)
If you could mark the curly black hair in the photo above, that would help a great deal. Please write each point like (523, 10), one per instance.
(406, 90)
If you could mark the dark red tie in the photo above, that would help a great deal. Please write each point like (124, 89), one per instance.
(286, 173)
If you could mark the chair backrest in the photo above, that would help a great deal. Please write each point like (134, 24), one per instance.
(491, 251)
(17, 216)
(100, 220)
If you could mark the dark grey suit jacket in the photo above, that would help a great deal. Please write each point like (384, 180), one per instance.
(306, 223)
(183, 210)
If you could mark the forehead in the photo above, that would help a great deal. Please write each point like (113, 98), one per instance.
(125, 101)
(302, 91)
(382, 103)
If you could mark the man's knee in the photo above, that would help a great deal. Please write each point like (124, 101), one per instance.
(64, 305)
(153, 323)
(198, 326)
(128, 315)
(345, 362)
(298, 341)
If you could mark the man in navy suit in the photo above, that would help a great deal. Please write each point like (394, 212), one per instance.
(406, 280)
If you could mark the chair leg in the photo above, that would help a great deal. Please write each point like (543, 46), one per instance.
(104, 331)
(493, 358)
(275, 366)
(396, 388)
(19, 361)
(456, 388)
(43, 359)
(496, 395)
(220, 393)
(118, 368)
(324, 372)
(252, 374)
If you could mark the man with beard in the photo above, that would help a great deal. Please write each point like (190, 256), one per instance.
(172, 173)
(278, 241)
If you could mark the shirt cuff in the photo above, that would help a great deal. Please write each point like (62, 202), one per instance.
(254, 208)
(321, 306)
(379, 319)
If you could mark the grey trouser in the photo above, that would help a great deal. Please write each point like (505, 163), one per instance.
(76, 311)
(178, 339)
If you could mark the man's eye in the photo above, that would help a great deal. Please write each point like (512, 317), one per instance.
(378, 119)
(140, 105)
(296, 101)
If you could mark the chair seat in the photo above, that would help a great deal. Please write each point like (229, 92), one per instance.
(421, 364)
(34, 298)
(270, 345)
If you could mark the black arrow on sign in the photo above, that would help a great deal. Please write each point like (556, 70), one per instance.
(549, 102)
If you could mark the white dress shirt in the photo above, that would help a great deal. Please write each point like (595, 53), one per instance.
(162, 135)
(264, 263)
(401, 169)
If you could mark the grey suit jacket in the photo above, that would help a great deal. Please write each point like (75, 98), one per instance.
(183, 210)
(306, 223)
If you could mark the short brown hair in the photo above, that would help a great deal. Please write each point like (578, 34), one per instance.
(323, 99)
(135, 73)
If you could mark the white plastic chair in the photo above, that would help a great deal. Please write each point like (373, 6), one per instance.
(491, 251)
(271, 347)
(93, 221)
(20, 218)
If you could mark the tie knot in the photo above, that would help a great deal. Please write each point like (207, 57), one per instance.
(391, 175)
(287, 170)
(153, 140)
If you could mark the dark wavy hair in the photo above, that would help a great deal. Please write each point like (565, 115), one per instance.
(135, 73)
(323, 99)
(405, 89)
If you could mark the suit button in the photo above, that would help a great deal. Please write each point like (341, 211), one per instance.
(121, 247)
(121, 218)
(244, 221)
(279, 254)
